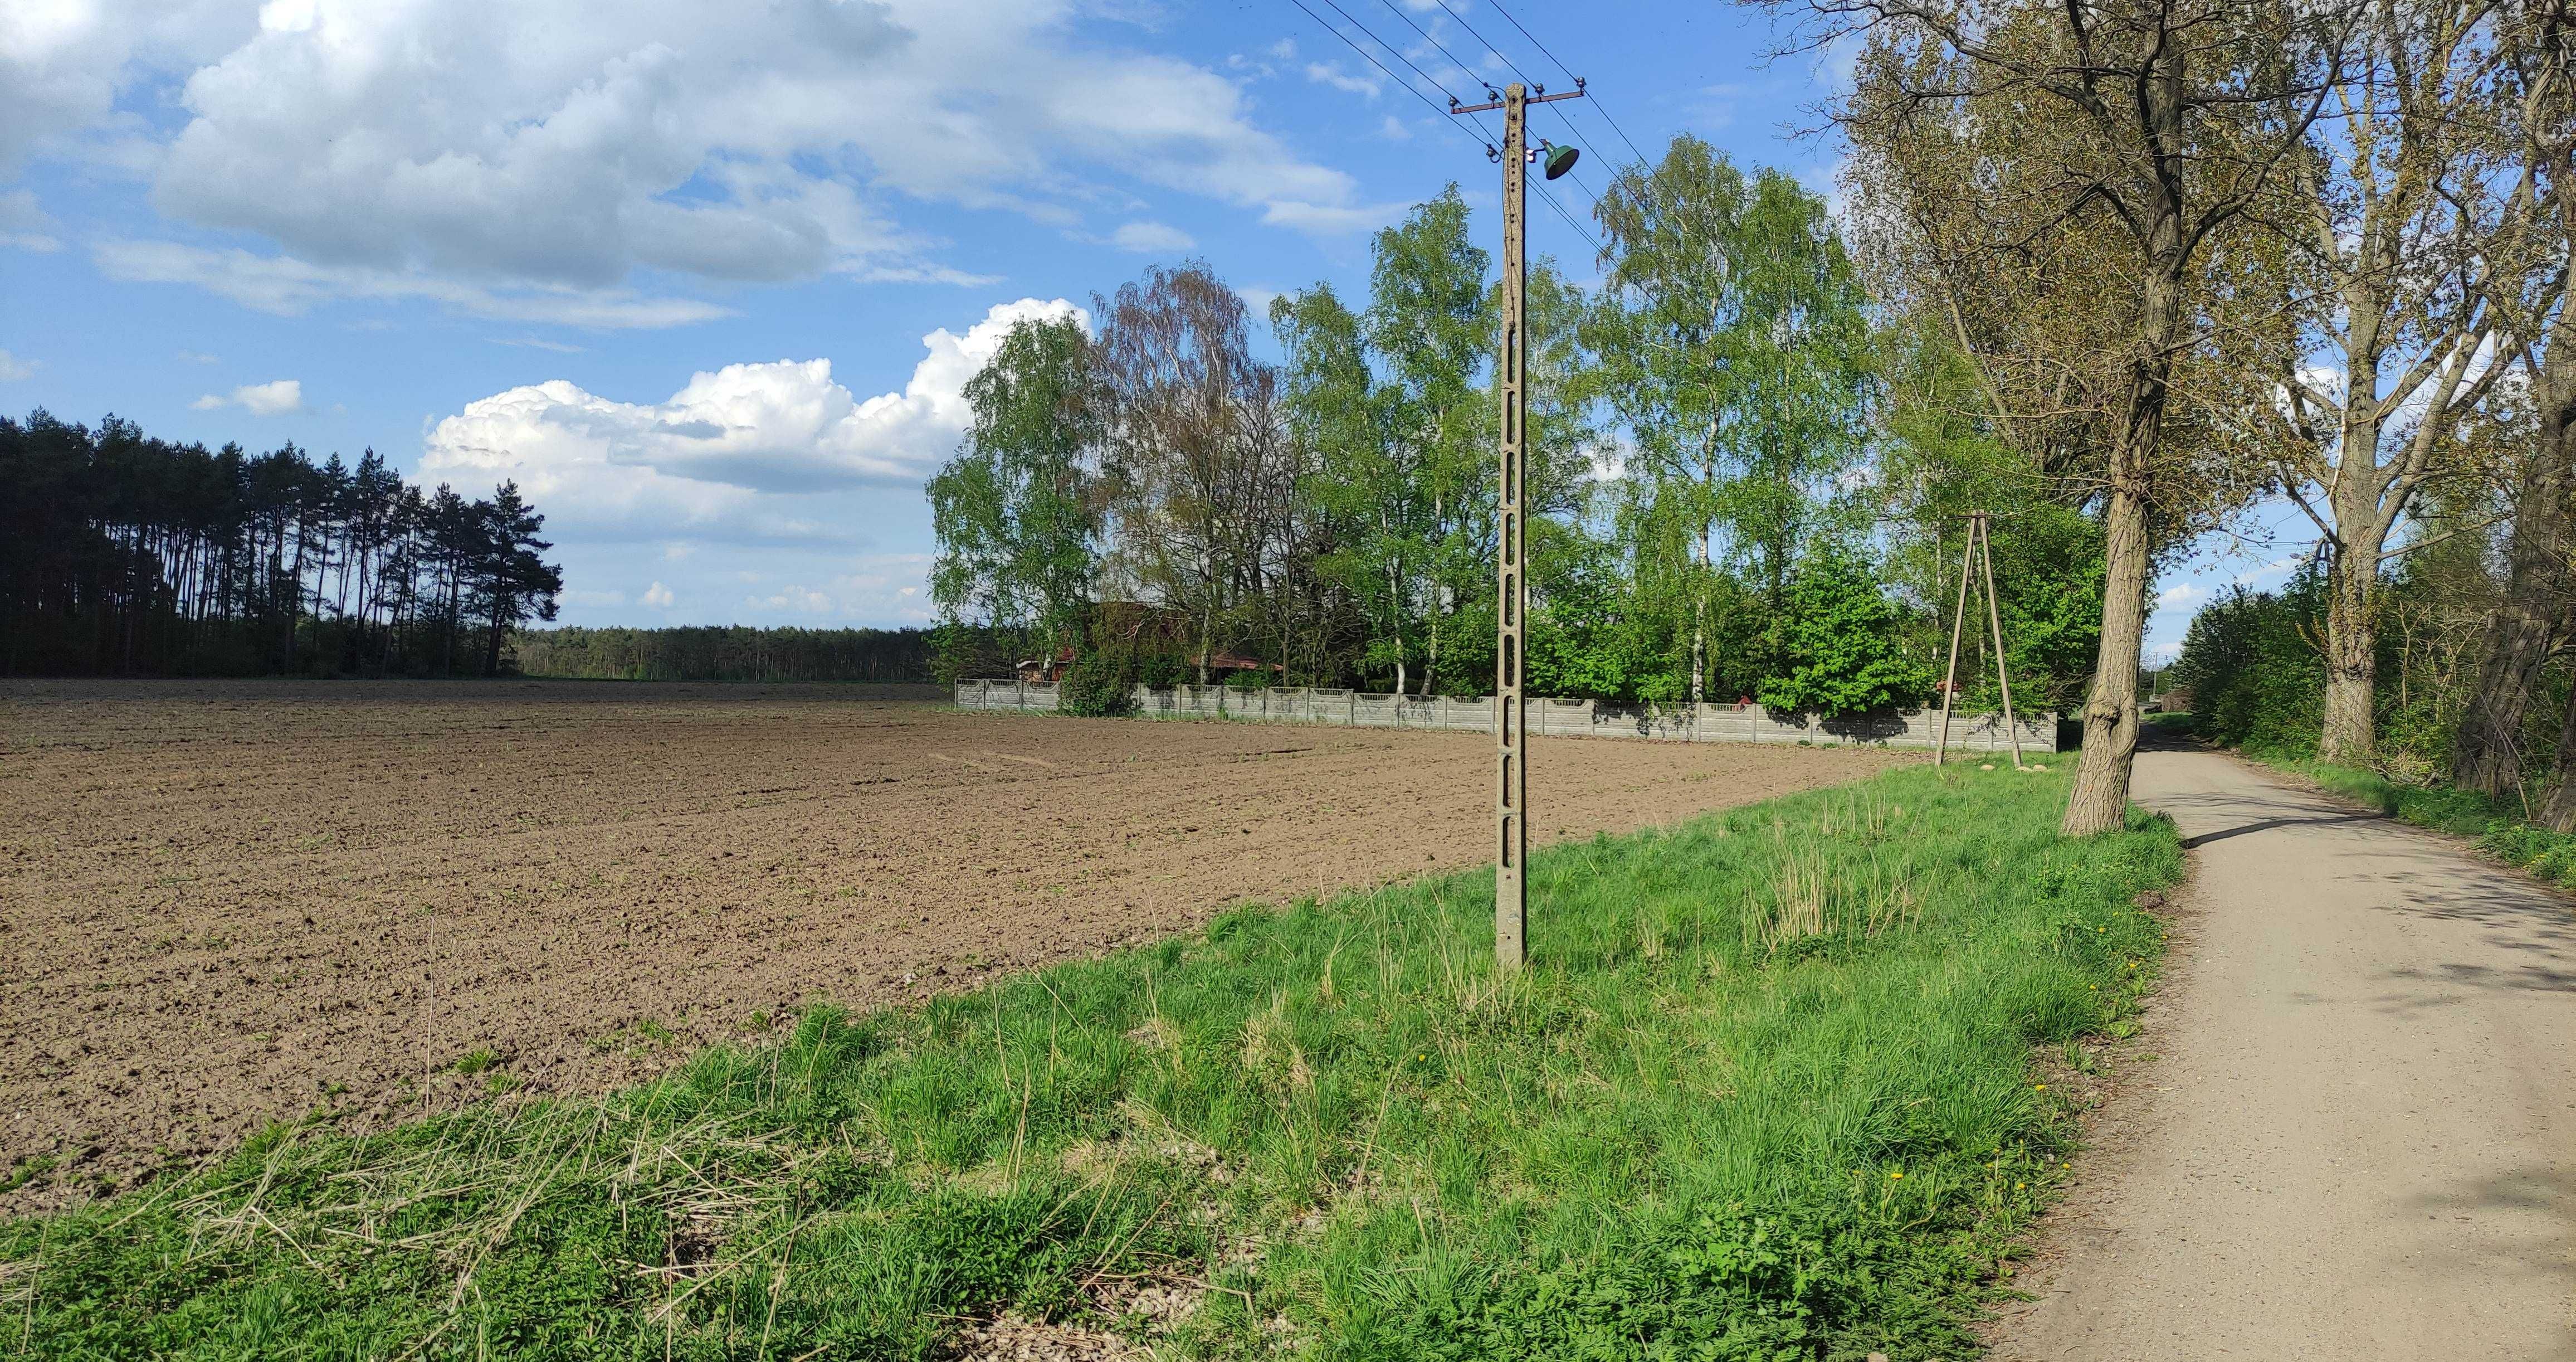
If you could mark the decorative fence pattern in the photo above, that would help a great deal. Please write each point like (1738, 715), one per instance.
(1547, 718)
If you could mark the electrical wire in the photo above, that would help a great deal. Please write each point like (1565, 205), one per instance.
(1444, 115)
(1472, 33)
(1570, 221)
(1578, 137)
(1597, 105)
(1400, 55)
(1463, 68)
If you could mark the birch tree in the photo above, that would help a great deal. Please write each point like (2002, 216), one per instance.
(1018, 513)
(1732, 340)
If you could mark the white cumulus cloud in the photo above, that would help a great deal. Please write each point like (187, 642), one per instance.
(2271, 569)
(734, 451)
(1151, 237)
(510, 158)
(259, 399)
(13, 368)
(24, 224)
(658, 596)
(290, 287)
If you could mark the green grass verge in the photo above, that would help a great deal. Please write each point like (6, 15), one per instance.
(1766, 1092)
(2498, 831)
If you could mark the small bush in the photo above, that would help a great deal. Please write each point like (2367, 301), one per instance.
(1099, 686)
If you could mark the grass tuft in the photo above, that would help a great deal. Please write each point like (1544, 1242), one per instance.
(1765, 1093)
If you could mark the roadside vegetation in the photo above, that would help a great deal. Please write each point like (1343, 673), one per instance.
(1768, 1091)
(2258, 684)
(2508, 835)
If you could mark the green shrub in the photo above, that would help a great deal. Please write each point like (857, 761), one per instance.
(2256, 679)
(1097, 686)
(1839, 649)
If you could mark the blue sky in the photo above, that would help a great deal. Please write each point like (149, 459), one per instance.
(706, 278)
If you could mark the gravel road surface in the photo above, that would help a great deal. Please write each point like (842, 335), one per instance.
(2359, 1140)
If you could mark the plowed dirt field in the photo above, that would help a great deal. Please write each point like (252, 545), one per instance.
(227, 903)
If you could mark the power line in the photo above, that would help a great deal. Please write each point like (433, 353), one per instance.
(1472, 33)
(1534, 42)
(1597, 105)
(1506, 58)
(1463, 68)
(1408, 61)
(1443, 114)
(1570, 220)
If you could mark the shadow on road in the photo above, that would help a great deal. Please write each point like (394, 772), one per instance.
(2268, 824)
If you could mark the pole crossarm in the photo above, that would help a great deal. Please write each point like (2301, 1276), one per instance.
(1576, 93)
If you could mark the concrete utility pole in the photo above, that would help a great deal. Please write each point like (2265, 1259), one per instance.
(1511, 706)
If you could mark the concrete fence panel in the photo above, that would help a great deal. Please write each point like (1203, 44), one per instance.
(1975, 733)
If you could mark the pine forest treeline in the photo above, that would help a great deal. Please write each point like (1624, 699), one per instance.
(727, 653)
(126, 554)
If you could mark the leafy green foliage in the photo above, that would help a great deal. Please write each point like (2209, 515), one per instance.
(1839, 648)
(2255, 676)
(1763, 1094)
(1100, 684)
(1019, 511)
(1335, 513)
(1733, 343)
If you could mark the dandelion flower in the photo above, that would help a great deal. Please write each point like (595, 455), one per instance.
(2039, 1087)
(1896, 1172)
(2019, 1185)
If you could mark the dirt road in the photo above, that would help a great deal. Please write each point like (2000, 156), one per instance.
(227, 902)
(2360, 1138)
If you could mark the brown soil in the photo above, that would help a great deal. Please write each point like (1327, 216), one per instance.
(225, 903)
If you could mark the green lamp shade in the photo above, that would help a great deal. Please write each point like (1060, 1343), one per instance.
(1560, 160)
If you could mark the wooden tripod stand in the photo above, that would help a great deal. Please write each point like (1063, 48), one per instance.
(1980, 554)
